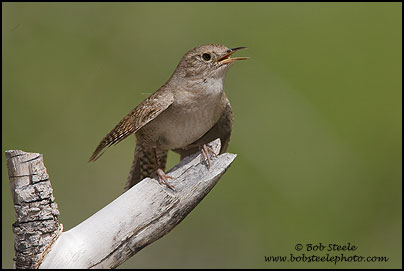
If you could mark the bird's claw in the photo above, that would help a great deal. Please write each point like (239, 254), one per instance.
(206, 151)
(162, 178)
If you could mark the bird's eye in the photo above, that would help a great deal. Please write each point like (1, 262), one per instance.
(206, 56)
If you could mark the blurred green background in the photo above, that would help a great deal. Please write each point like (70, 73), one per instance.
(317, 126)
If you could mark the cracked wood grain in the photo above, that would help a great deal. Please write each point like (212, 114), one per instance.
(36, 224)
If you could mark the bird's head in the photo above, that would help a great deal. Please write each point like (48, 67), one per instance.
(207, 61)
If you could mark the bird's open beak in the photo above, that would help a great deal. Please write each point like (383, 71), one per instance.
(227, 59)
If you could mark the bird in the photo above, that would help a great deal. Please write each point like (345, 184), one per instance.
(190, 110)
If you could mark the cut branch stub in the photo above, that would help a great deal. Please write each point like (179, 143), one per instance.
(37, 225)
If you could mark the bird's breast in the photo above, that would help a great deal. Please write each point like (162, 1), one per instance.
(184, 122)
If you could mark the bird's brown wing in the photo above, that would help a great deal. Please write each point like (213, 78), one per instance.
(222, 129)
(136, 119)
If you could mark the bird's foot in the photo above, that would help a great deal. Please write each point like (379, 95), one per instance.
(162, 178)
(207, 152)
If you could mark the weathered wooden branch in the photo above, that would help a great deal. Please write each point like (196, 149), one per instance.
(37, 225)
(140, 216)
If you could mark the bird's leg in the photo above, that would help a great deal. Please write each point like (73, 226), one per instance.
(206, 152)
(161, 176)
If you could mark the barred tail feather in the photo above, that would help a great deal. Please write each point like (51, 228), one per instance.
(144, 164)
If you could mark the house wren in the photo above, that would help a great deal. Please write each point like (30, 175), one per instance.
(190, 110)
